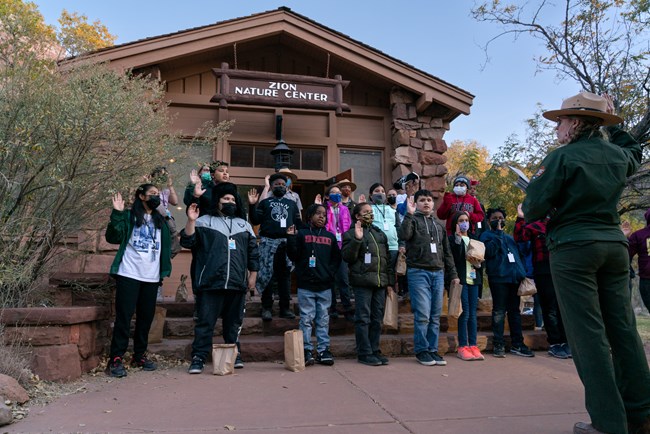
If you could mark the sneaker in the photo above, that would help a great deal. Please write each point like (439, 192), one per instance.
(438, 358)
(499, 351)
(557, 351)
(477, 353)
(143, 362)
(383, 359)
(584, 428)
(115, 368)
(309, 358)
(522, 350)
(325, 357)
(287, 314)
(369, 360)
(567, 350)
(196, 367)
(465, 353)
(424, 358)
(267, 315)
(239, 363)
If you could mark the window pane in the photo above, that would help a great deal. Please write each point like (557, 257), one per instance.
(241, 156)
(263, 157)
(312, 159)
(366, 168)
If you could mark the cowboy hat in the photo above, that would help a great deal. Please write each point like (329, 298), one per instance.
(584, 104)
(289, 174)
(343, 182)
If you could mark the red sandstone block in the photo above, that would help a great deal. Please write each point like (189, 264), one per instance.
(37, 336)
(56, 362)
(86, 340)
(98, 263)
(74, 334)
(51, 315)
(90, 363)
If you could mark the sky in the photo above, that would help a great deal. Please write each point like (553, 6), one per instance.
(436, 36)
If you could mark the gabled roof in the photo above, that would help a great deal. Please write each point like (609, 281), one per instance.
(159, 49)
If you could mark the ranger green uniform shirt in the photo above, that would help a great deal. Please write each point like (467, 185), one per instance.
(579, 186)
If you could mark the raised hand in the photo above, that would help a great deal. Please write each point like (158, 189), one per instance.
(410, 205)
(626, 228)
(362, 198)
(170, 181)
(291, 230)
(193, 212)
(118, 202)
(610, 103)
(253, 196)
(198, 189)
(318, 199)
(194, 177)
(266, 181)
(520, 211)
(358, 230)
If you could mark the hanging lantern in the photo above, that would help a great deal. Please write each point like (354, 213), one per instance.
(282, 154)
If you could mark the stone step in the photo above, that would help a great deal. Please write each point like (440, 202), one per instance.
(271, 348)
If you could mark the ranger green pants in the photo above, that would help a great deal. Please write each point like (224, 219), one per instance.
(591, 281)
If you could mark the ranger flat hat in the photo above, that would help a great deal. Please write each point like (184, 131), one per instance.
(584, 104)
(288, 173)
(343, 182)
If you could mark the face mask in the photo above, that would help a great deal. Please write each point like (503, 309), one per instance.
(464, 226)
(378, 198)
(279, 191)
(205, 176)
(460, 190)
(288, 183)
(153, 202)
(228, 209)
(496, 225)
(335, 197)
(392, 200)
(367, 219)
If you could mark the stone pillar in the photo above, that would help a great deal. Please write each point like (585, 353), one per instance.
(418, 144)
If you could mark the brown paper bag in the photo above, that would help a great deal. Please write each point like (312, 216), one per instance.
(223, 358)
(391, 310)
(527, 287)
(475, 253)
(455, 306)
(294, 352)
(157, 326)
(400, 266)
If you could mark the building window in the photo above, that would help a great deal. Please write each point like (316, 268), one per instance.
(260, 157)
(366, 168)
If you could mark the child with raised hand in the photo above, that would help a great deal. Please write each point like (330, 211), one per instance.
(317, 258)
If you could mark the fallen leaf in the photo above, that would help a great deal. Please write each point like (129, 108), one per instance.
(229, 427)
(108, 411)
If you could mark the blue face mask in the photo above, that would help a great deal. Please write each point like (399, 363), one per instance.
(464, 226)
(335, 197)
(288, 182)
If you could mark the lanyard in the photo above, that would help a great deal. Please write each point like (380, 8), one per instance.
(427, 226)
(313, 243)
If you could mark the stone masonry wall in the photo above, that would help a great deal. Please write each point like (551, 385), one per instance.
(418, 144)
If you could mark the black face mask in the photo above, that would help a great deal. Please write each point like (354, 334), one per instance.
(228, 209)
(153, 202)
(279, 191)
(497, 225)
(392, 200)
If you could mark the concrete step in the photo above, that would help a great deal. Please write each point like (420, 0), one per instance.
(271, 348)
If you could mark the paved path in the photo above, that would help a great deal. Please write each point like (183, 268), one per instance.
(511, 395)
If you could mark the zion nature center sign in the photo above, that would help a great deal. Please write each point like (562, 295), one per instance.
(280, 90)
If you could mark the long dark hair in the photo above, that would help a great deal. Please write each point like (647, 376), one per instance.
(454, 221)
(138, 211)
(311, 210)
(357, 209)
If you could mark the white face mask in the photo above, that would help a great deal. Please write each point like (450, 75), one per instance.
(460, 190)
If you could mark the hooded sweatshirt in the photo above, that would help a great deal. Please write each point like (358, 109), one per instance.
(640, 245)
(321, 245)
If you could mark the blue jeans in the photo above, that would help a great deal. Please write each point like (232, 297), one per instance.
(467, 319)
(314, 306)
(425, 289)
(368, 318)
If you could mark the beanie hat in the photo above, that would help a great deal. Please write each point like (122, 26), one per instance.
(462, 178)
(222, 189)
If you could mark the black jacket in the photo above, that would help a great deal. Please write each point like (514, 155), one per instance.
(216, 266)
(269, 214)
(323, 246)
(418, 232)
(380, 272)
(458, 251)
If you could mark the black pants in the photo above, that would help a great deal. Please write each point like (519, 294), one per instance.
(505, 299)
(550, 309)
(230, 306)
(281, 275)
(368, 318)
(133, 296)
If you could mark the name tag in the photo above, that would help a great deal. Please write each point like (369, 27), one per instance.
(283, 223)
(511, 257)
(479, 225)
(434, 248)
(338, 236)
(472, 274)
(386, 226)
(312, 261)
(367, 258)
(231, 244)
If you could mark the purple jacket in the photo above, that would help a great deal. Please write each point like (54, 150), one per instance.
(639, 245)
(340, 225)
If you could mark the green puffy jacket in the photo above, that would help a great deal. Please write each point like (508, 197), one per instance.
(380, 272)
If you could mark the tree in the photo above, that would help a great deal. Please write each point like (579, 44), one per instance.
(601, 45)
(77, 36)
(469, 158)
(68, 140)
